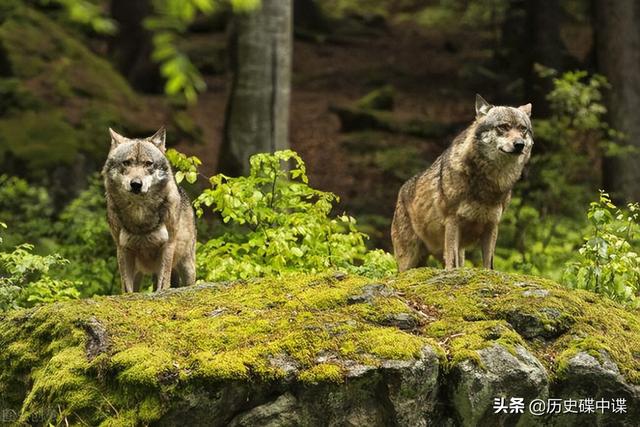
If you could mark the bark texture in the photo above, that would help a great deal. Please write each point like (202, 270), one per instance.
(618, 57)
(258, 107)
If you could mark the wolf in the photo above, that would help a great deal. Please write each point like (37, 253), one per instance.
(151, 219)
(459, 200)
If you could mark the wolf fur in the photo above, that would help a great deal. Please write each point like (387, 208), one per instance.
(459, 200)
(151, 219)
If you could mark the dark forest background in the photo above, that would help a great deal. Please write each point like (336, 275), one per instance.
(368, 93)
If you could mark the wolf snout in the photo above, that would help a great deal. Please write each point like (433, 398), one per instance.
(136, 185)
(515, 148)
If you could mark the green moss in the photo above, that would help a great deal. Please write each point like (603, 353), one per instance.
(474, 308)
(141, 365)
(324, 372)
(465, 342)
(381, 309)
(311, 328)
(57, 93)
(390, 343)
(41, 138)
(39, 48)
(150, 410)
(61, 384)
(224, 366)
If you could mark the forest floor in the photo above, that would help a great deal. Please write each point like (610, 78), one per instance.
(365, 168)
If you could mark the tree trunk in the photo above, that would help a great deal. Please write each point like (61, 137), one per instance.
(547, 49)
(531, 35)
(618, 56)
(257, 117)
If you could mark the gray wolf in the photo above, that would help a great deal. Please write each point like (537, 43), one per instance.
(459, 200)
(151, 219)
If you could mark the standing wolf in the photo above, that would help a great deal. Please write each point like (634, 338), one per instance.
(461, 197)
(151, 218)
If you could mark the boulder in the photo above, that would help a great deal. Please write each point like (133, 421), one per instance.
(56, 92)
(322, 350)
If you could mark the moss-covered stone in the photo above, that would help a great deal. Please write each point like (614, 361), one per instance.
(56, 93)
(221, 351)
(38, 48)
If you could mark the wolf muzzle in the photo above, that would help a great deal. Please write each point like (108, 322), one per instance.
(136, 185)
(518, 147)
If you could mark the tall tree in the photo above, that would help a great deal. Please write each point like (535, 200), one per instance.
(257, 117)
(531, 35)
(617, 25)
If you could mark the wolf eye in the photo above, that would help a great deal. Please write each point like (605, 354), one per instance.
(148, 163)
(504, 127)
(524, 129)
(126, 163)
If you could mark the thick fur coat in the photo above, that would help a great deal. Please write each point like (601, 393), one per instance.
(459, 200)
(151, 219)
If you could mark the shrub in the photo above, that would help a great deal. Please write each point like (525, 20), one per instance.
(186, 167)
(84, 239)
(25, 279)
(277, 223)
(26, 209)
(543, 226)
(607, 263)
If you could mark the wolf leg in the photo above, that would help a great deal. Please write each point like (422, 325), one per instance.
(408, 248)
(189, 266)
(175, 278)
(187, 269)
(411, 255)
(488, 241)
(126, 265)
(164, 273)
(451, 244)
(137, 280)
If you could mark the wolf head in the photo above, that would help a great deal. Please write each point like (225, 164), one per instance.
(503, 132)
(137, 166)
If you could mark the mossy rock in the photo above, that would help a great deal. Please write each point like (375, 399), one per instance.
(317, 350)
(40, 50)
(50, 81)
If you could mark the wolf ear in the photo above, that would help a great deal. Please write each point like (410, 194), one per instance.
(159, 138)
(526, 109)
(482, 106)
(116, 138)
